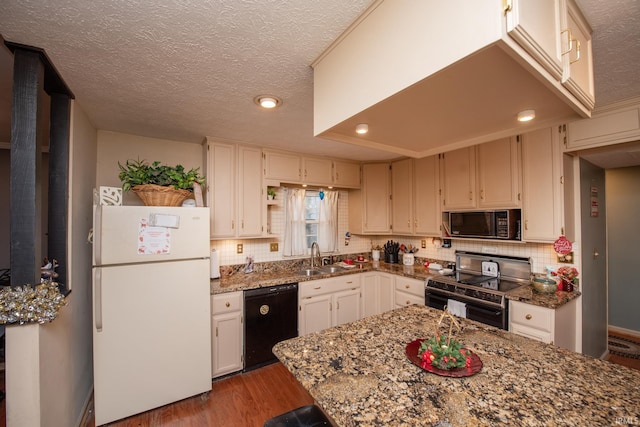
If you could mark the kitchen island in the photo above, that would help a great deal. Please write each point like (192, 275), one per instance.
(359, 374)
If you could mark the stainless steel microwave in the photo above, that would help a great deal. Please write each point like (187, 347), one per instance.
(497, 224)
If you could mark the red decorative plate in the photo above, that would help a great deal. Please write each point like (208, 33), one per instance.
(412, 353)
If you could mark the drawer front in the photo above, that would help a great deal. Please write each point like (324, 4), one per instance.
(531, 316)
(326, 286)
(410, 286)
(226, 303)
(403, 299)
(532, 333)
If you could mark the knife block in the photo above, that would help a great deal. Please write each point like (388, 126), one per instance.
(391, 258)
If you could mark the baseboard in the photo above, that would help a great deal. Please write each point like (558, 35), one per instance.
(87, 414)
(605, 355)
(635, 334)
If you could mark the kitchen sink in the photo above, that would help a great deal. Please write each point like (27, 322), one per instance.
(310, 272)
(331, 269)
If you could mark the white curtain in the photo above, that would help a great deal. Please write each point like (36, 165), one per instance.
(328, 222)
(294, 223)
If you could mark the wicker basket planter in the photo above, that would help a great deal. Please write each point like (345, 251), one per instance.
(157, 195)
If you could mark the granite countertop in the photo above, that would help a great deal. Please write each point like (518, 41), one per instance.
(279, 274)
(276, 275)
(528, 295)
(359, 374)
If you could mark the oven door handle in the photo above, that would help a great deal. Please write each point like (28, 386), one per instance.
(492, 312)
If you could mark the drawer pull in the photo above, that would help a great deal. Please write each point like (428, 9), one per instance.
(317, 287)
(407, 286)
(408, 302)
(227, 304)
(528, 317)
(350, 282)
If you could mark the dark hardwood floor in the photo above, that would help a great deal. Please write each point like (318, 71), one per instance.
(243, 400)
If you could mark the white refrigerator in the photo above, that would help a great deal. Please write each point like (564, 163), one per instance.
(151, 308)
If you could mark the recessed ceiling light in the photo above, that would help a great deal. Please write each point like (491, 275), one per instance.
(267, 101)
(362, 128)
(526, 115)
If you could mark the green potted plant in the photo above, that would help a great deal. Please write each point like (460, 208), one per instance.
(271, 194)
(157, 184)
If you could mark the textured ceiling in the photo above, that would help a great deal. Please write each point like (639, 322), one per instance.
(185, 69)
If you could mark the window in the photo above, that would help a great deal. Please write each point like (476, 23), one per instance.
(311, 216)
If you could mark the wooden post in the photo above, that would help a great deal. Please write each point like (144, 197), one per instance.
(26, 121)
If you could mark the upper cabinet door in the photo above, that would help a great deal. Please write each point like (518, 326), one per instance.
(402, 196)
(250, 199)
(577, 61)
(346, 174)
(499, 174)
(283, 167)
(459, 179)
(317, 171)
(426, 205)
(536, 26)
(222, 184)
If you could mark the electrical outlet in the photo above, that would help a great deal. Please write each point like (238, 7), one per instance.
(273, 247)
(239, 248)
(423, 244)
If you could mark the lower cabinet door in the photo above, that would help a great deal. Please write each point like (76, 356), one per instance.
(314, 314)
(226, 345)
(347, 306)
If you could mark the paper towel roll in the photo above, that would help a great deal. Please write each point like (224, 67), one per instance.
(215, 264)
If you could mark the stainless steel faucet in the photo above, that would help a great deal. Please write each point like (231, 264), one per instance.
(314, 246)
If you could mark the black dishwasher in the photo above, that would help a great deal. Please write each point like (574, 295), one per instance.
(270, 316)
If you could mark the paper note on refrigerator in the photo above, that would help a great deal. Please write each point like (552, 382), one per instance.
(153, 240)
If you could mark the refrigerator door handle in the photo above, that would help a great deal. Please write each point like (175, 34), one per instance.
(97, 299)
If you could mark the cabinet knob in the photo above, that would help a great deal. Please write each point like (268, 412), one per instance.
(408, 302)
(227, 304)
(407, 286)
(528, 317)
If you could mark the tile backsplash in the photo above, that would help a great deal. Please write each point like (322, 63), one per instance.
(542, 255)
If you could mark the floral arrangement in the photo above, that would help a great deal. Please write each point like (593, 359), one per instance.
(568, 274)
(444, 351)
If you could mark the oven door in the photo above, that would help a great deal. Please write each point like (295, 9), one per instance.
(476, 310)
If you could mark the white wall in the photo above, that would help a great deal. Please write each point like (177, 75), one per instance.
(114, 147)
(623, 228)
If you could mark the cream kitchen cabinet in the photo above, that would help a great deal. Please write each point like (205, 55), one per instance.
(328, 302)
(402, 212)
(227, 333)
(415, 187)
(282, 167)
(499, 184)
(552, 326)
(317, 171)
(369, 207)
(542, 210)
(234, 193)
(459, 179)
(577, 74)
(346, 174)
(377, 293)
(536, 26)
(615, 124)
(408, 291)
(426, 196)
(485, 176)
